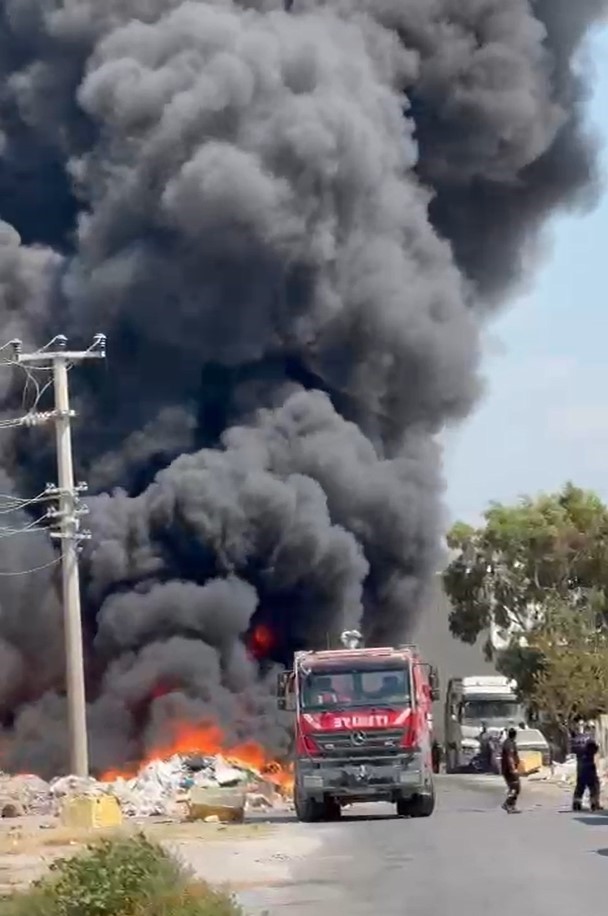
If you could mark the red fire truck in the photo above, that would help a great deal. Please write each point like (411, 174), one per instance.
(363, 729)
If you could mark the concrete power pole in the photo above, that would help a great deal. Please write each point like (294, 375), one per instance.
(68, 517)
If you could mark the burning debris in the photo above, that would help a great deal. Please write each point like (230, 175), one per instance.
(290, 224)
(161, 788)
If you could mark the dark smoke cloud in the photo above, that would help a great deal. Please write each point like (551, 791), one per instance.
(290, 225)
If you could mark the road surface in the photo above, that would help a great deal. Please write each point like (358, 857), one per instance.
(470, 858)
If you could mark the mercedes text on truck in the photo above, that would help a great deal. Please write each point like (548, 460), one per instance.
(363, 729)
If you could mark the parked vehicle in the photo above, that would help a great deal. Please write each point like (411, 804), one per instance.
(478, 711)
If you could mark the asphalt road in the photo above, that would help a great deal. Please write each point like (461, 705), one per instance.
(470, 858)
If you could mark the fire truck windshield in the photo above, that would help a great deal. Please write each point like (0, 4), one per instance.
(369, 687)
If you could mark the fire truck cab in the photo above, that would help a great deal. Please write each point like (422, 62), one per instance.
(363, 729)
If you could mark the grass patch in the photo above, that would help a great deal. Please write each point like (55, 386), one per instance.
(129, 876)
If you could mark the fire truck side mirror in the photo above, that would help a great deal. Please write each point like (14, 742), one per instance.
(434, 685)
(433, 681)
(285, 697)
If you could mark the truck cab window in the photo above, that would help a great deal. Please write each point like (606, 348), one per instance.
(320, 692)
(477, 711)
(391, 687)
(356, 688)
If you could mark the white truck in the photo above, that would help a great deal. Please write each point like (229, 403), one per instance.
(478, 711)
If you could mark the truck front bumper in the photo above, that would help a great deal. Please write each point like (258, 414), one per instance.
(375, 778)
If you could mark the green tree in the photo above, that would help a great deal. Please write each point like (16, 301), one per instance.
(571, 678)
(506, 573)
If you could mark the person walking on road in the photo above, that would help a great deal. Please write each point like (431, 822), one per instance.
(510, 771)
(585, 747)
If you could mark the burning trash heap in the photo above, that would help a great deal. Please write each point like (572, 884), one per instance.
(160, 788)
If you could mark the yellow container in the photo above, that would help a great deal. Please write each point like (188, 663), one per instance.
(529, 762)
(91, 813)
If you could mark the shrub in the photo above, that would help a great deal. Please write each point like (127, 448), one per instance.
(124, 877)
(193, 899)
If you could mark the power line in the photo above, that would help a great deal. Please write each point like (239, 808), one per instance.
(31, 418)
(18, 504)
(34, 569)
(32, 528)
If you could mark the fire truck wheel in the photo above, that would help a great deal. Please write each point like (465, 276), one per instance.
(419, 806)
(333, 810)
(403, 807)
(307, 809)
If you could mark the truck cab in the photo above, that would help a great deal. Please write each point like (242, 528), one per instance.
(474, 705)
(363, 730)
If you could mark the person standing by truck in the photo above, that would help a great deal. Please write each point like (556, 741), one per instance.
(585, 747)
(578, 738)
(485, 749)
(510, 771)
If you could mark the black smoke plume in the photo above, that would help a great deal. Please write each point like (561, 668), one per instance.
(291, 221)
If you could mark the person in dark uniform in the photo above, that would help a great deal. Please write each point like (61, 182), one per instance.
(485, 749)
(585, 747)
(578, 739)
(436, 755)
(510, 771)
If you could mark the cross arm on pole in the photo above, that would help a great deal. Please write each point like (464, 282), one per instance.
(97, 350)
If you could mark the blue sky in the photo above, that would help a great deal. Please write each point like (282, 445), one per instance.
(544, 419)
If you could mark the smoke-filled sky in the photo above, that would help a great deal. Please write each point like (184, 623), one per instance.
(291, 224)
(546, 368)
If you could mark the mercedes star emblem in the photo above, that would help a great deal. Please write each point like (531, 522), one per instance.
(357, 738)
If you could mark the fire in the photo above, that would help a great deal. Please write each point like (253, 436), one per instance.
(261, 641)
(208, 741)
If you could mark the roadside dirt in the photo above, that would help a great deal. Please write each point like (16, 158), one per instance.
(253, 854)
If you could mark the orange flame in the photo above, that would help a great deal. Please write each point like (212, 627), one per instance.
(208, 740)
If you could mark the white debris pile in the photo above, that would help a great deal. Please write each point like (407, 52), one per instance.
(565, 772)
(160, 788)
(545, 774)
(153, 791)
(25, 794)
(72, 786)
(220, 773)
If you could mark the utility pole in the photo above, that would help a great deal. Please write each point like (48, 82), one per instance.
(68, 518)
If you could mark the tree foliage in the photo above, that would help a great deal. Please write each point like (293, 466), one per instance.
(506, 573)
(536, 574)
(571, 676)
